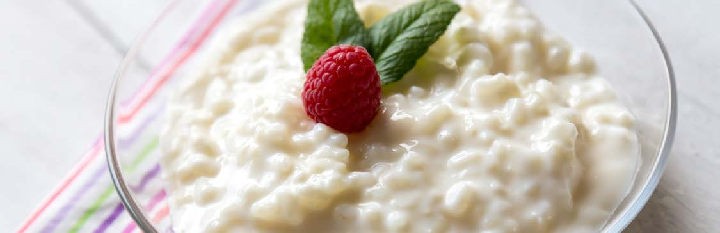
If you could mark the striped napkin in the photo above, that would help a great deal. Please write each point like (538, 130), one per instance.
(85, 200)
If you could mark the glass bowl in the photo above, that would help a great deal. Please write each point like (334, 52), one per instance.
(628, 51)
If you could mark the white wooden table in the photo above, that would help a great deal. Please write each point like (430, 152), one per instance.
(58, 58)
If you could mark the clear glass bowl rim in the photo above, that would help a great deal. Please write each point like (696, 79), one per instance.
(146, 225)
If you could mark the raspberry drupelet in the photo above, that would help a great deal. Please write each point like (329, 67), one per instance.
(342, 89)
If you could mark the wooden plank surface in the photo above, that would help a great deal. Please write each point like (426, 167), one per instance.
(64, 53)
(55, 72)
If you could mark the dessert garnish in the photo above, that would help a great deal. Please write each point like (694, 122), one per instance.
(346, 63)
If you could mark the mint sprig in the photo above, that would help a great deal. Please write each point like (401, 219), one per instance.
(396, 42)
(329, 23)
(401, 38)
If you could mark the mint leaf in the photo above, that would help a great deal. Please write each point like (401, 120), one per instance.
(329, 23)
(401, 38)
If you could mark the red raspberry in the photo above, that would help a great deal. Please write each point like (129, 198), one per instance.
(342, 89)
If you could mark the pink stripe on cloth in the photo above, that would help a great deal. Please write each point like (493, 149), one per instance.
(173, 54)
(149, 207)
(119, 208)
(60, 215)
(126, 142)
(88, 158)
(161, 214)
(182, 52)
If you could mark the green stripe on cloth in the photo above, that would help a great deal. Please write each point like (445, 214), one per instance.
(109, 190)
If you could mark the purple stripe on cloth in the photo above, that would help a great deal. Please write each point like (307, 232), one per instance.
(184, 42)
(156, 200)
(126, 142)
(72, 201)
(110, 219)
(149, 207)
(119, 208)
(60, 215)
(146, 178)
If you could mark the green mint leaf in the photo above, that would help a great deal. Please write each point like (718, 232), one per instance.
(401, 38)
(329, 23)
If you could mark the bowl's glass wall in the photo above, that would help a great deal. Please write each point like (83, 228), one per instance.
(612, 31)
(151, 69)
(628, 55)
